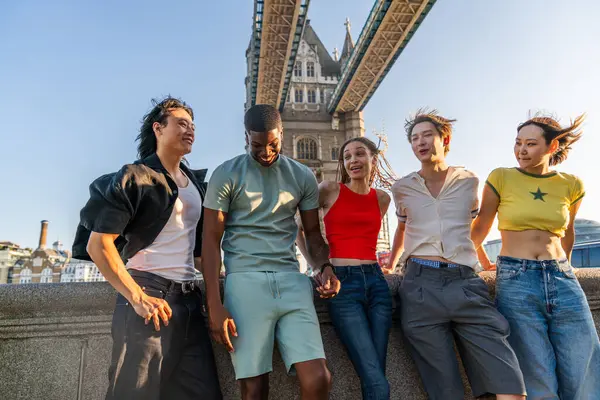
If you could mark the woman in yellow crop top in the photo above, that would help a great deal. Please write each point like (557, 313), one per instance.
(552, 331)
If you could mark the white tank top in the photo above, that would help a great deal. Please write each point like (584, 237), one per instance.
(171, 255)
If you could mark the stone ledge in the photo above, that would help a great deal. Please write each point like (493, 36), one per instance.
(97, 298)
(55, 344)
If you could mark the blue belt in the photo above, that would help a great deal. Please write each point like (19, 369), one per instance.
(434, 264)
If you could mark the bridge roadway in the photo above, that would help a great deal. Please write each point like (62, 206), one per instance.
(277, 30)
(389, 27)
(276, 35)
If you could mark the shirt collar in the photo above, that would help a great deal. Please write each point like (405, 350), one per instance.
(455, 170)
(153, 162)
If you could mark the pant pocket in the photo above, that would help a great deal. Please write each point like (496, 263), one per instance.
(568, 272)
(507, 272)
(476, 289)
(410, 292)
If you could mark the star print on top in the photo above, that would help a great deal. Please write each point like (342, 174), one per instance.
(539, 195)
(534, 202)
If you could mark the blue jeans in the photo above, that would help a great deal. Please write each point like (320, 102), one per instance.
(361, 314)
(552, 330)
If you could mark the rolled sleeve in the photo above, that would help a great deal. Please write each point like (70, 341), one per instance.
(397, 196)
(110, 207)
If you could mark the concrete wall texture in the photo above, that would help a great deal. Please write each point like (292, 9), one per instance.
(55, 344)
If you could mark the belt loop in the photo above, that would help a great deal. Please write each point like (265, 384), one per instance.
(524, 265)
(419, 268)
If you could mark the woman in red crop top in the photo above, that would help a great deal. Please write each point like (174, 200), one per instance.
(361, 313)
(551, 327)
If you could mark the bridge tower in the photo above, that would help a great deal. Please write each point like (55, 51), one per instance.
(321, 97)
(313, 135)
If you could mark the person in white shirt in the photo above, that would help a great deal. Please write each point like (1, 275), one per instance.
(142, 227)
(442, 296)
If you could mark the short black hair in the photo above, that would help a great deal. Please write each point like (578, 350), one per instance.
(161, 109)
(262, 118)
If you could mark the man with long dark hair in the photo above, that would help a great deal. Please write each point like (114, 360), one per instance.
(142, 228)
(249, 210)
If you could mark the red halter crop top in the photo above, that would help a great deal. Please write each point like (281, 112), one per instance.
(352, 225)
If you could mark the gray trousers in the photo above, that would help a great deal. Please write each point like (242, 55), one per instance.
(439, 305)
(175, 363)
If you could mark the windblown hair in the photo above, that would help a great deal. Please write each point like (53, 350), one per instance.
(262, 118)
(160, 111)
(442, 125)
(553, 131)
(382, 175)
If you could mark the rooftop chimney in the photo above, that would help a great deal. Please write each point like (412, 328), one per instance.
(43, 234)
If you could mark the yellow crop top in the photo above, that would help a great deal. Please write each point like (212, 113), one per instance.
(537, 202)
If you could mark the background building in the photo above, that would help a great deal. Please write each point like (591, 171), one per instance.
(492, 248)
(44, 265)
(80, 271)
(10, 253)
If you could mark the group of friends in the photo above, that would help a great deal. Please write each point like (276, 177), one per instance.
(153, 224)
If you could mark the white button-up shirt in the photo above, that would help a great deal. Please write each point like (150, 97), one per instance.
(439, 227)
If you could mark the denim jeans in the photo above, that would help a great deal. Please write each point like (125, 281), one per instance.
(361, 314)
(552, 330)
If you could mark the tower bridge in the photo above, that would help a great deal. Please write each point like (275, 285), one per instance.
(321, 94)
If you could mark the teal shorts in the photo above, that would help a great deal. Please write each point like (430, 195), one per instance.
(269, 306)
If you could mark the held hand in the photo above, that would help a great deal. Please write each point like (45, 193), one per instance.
(387, 271)
(153, 308)
(490, 267)
(386, 267)
(329, 283)
(221, 324)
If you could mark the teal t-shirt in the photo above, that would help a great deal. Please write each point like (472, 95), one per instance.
(260, 203)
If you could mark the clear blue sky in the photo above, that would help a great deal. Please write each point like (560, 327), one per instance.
(77, 76)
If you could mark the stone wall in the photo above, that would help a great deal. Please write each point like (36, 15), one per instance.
(55, 344)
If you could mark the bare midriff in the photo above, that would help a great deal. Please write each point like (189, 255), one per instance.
(532, 245)
(350, 262)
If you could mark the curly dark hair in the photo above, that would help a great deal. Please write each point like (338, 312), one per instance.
(442, 125)
(553, 131)
(161, 109)
(382, 175)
